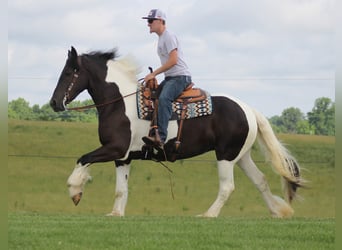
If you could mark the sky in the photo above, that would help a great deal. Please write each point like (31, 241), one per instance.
(271, 54)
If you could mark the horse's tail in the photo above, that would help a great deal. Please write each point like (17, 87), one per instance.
(282, 161)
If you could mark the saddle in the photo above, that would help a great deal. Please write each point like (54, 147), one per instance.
(190, 95)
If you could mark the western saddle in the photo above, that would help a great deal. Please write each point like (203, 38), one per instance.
(150, 97)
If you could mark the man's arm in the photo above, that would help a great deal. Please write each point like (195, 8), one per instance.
(172, 61)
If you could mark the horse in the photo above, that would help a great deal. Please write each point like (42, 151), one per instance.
(230, 131)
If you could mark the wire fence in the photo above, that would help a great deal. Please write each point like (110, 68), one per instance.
(188, 160)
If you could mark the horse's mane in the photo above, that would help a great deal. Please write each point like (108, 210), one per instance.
(103, 56)
(127, 64)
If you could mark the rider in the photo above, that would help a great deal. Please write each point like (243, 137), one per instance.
(177, 74)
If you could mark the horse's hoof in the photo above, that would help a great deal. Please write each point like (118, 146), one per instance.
(77, 198)
(114, 214)
(205, 215)
(200, 216)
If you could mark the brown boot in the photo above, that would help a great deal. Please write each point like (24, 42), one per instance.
(155, 141)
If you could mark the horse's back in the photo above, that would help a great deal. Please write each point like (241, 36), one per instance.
(226, 130)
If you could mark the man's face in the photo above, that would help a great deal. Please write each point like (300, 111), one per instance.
(155, 25)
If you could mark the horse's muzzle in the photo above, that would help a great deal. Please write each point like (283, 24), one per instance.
(77, 198)
(54, 105)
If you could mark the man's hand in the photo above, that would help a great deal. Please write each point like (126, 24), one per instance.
(149, 77)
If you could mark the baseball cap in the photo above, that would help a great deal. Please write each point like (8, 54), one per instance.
(155, 14)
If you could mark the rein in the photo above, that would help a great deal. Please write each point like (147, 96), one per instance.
(82, 108)
(100, 105)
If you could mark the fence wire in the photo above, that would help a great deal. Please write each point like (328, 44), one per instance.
(187, 160)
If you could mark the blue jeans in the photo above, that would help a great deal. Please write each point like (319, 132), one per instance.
(171, 88)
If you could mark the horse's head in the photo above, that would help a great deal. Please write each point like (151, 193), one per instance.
(72, 81)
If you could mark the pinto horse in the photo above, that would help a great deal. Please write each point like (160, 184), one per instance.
(230, 131)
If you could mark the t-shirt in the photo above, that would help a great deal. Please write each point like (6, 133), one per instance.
(166, 43)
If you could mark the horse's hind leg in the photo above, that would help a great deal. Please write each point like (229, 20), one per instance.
(226, 187)
(277, 206)
(121, 190)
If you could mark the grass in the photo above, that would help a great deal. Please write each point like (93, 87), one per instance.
(46, 231)
(44, 154)
(42, 216)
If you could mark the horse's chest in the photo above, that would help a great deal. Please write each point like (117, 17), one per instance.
(115, 130)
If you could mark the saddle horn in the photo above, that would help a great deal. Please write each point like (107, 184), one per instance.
(153, 83)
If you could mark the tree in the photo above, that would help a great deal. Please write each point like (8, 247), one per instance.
(304, 127)
(322, 116)
(47, 114)
(277, 124)
(290, 118)
(20, 109)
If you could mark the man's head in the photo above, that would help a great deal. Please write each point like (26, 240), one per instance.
(156, 21)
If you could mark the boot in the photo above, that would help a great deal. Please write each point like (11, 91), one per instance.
(154, 140)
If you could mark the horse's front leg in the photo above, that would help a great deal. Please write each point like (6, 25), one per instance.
(80, 175)
(76, 182)
(121, 190)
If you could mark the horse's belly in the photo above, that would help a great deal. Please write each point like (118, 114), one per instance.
(172, 130)
(141, 129)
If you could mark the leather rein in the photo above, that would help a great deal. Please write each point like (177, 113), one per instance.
(82, 108)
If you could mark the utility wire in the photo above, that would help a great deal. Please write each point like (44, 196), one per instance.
(205, 78)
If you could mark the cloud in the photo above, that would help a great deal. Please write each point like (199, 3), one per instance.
(302, 15)
(229, 45)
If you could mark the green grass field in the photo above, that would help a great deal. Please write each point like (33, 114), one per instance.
(42, 231)
(42, 216)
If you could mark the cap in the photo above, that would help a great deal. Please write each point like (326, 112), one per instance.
(156, 14)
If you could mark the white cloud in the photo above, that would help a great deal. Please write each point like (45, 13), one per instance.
(240, 41)
(223, 40)
(303, 15)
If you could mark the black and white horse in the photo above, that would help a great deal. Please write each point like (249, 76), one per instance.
(230, 131)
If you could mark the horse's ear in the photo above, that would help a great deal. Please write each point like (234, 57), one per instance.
(72, 56)
(72, 52)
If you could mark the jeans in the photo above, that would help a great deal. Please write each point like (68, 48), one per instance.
(171, 88)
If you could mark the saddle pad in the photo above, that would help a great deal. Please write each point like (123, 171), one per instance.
(195, 109)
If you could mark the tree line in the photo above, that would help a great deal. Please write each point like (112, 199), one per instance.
(21, 110)
(319, 121)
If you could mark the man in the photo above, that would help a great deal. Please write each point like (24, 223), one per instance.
(177, 74)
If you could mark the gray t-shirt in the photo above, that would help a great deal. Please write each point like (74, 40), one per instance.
(166, 43)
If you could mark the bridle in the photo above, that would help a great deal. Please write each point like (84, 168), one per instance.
(75, 76)
(71, 85)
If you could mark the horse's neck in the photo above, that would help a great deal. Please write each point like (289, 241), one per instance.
(123, 72)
